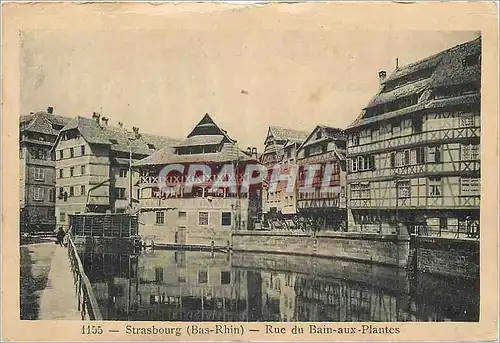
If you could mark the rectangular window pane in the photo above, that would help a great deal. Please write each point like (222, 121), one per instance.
(203, 218)
(226, 218)
(202, 276)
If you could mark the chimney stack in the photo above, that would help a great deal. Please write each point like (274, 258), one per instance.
(96, 116)
(120, 124)
(136, 131)
(381, 76)
(50, 110)
(105, 120)
(254, 152)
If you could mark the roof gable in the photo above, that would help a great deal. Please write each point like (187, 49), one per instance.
(440, 70)
(328, 133)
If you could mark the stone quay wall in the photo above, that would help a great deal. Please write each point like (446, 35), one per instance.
(363, 247)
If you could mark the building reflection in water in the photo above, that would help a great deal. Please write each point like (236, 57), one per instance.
(200, 286)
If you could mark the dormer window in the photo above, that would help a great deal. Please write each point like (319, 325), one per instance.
(318, 135)
(113, 141)
(471, 60)
(151, 146)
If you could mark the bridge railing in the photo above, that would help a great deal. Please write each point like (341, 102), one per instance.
(87, 301)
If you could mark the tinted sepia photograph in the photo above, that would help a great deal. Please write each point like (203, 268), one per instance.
(242, 174)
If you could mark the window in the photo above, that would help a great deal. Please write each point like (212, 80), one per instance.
(202, 276)
(123, 172)
(406, 157)
(435, 189)
(62, 217)
(355, 191)
(434, 154)
(119, 193)
(318, 135)
(203, 218)
(466, 119)
(158, 274)
(160, 217)
(52, 195)
(41, 154)
(71, 191)
(82, 170)
(225, 278)
(354, 140)
(393, 159)
(71, 171)
(404, 189)
(354, 162)
(315, 150)
(61, 154)
(82, 190)
(151, 146)
(82, 150)
(420, 155)
(470, 186)
(113, 141)
(182, 214)
(416, 125)
(226, 218)
(71, 152)
(39, 174)
(471, 60)
(38, 194)
(469, 152)
(365, 190)
(61, 192)
(61, 173)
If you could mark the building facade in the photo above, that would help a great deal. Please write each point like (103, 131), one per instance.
(413, 155)
(37, 134)
(93, 166)
(280, 151)
(322, 205)
(202, 213)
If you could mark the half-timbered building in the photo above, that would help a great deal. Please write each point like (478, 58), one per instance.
(414, 154)
(202, 213)
(322, 204)
(280, 150)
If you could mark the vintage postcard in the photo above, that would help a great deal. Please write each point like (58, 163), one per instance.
(250, 172)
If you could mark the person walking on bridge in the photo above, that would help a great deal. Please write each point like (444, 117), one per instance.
(60, 236)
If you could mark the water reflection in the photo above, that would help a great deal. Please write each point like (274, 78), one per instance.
(200, 286)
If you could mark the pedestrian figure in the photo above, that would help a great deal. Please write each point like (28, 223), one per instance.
(60, 236)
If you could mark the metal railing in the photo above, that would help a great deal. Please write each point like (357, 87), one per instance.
(87, 302)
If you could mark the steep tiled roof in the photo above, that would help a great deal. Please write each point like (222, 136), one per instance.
(444, 69)
(201, 140)
(327, 133)
(42, 122)
(282, 133)
(229, 152)
(118, 139)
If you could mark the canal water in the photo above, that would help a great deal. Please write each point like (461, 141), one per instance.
(202, 286)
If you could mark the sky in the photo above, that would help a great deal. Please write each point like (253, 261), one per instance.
(164, 81)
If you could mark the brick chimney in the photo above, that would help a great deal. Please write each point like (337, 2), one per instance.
(96, 116)
(105, 120)
(381, 76)
(50, 110)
